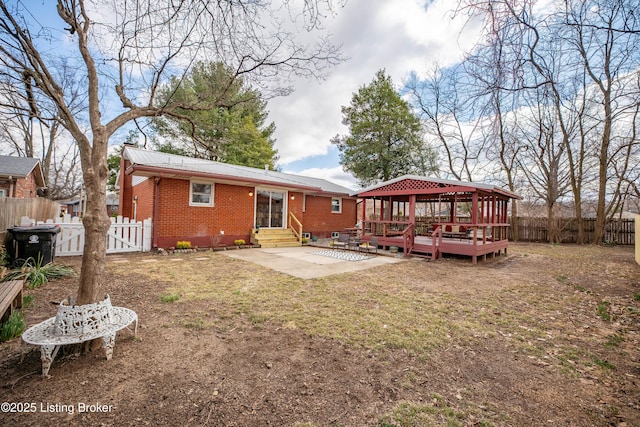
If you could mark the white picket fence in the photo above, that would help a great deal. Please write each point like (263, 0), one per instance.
(124, 235)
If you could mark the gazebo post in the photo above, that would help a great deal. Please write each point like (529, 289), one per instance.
(474, 216)
(364, 215)
(412, 211)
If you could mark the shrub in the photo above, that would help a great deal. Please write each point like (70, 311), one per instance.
(239, 242)
(183, 245)
(28, 301)
(36, 274)
(13, 327)
(4, 256)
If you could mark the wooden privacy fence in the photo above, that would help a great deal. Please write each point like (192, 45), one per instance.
(124, 235)
(619, 231)
(11, 210)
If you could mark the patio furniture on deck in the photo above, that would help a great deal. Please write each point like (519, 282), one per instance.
(455, 231)
(480, 234)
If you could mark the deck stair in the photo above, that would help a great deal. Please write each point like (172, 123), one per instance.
(275, 238)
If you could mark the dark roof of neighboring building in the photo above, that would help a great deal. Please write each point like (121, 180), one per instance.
(21, 167)
(153, 163)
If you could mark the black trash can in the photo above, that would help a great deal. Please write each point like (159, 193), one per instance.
(37, 242)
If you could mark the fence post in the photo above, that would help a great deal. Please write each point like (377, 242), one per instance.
(147, 226)
(637, 220)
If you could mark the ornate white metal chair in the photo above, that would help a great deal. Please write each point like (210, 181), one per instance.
(75, 324)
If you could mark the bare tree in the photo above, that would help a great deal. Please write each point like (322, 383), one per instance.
(582, 53)
(443, 112)
(543, 161)
(127, 49)
(30, 126)
(494, 70)
(608, 56)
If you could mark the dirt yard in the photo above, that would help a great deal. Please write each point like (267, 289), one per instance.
(548, 335)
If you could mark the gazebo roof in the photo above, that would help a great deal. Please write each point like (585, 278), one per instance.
(415, 184)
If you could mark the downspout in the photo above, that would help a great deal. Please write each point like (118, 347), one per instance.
(11, 188)
(156, 208)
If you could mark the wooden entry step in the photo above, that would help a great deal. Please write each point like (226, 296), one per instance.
(274, 238)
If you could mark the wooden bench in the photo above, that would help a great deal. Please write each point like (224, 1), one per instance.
(10, 297)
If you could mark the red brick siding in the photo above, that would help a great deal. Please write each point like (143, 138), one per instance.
(26, 188)
(125, 202)
(23, 188)
(320, 221)
(232, 213)
(295, 206)
(144, 192)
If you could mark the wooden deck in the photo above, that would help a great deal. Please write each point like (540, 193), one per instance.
(423, 246)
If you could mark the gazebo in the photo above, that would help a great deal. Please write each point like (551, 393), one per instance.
(431, 216)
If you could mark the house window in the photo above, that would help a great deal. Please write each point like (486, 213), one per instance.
(3, 193)
(336, 205)
(201, 194)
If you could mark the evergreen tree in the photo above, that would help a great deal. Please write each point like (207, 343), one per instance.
(386, 138)
(233, 132)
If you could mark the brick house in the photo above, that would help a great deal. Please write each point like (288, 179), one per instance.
(21, 177)
(210, 203)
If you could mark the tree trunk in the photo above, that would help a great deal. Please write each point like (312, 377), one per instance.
(515, 230)
(96, 223)
(551, 228)
(601, 220)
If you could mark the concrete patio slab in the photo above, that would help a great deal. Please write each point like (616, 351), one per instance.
(301, 262)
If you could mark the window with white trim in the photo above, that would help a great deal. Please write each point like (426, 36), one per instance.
(201, 194)
(336, 205)
(3, 193)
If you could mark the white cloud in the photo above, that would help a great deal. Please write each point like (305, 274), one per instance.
(400, 36)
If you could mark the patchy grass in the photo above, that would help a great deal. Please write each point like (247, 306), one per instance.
(615, 340)
(395, 307)
(603, 364)
(170, 297)
(552, 315)
(436, 412)
(603, 310)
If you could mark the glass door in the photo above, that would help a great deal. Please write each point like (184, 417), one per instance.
(270, 209)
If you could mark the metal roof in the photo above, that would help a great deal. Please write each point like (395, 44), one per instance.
(145, 162)
(21, 167)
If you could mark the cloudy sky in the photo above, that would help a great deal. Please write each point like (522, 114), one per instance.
(400, 36)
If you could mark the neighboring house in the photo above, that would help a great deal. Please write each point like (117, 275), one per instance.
(112, 203)
(209, 203)
(73, 207)
(21, 177)
(76, 205)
